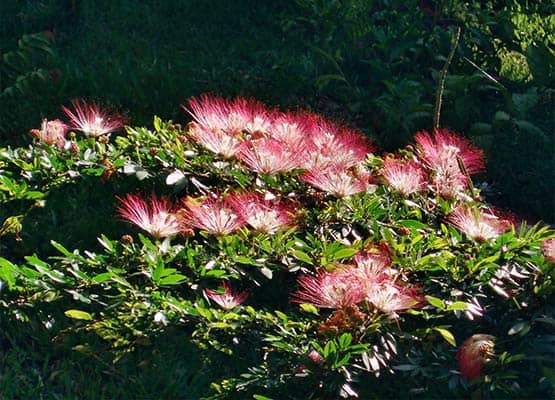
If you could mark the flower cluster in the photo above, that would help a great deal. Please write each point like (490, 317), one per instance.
(370, 280)
(449, 158)
(271, 142)
(89, 118)
(214, 214)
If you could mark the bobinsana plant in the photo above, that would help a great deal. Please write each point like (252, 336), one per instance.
(309, 264)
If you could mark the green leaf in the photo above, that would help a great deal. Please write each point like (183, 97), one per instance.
(7, 272)
(61, 249)
(345, 252)
(245, 260)
(78, 314)
(413, 224)
(103, 277)
(329, 349)
(458, 305)
(345, 340)
(521, 328)
(302, 256)
(448, 336)
(260, 397)
(437, 303)
(173, 279)
(309, 308)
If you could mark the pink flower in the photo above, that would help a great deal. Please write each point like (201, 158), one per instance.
(337, 180)
(477, 224)
(51, 132)
(228, 300)
(374, 266)
(404, 176)
(233, 117)
(474, 353)
(329, 290)
(445, 145)
(316, 357)
(91, 119)
(330, 144)
(155, 217)
(270, 156)
(290, 128)
(390, 297)
(548, 247)
(214, 215)
(216, 140)
(443, 153)
(262, 215)
(377, 280)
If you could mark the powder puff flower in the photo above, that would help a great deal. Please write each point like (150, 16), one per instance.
(476, 351)
(290, 128)
(214, 215)
(51, 132)
(443, 153)
(335, 290)
(233, 117)
(228, 300)
(154, 216)
(270, 156)
(439, 149)
(477, 224)
(91, 119)
(337, 180)
(215, 140)
(374, 266)
(548, 247)
(330, 144)
(261, 214)
(404, 176)
(389, 297)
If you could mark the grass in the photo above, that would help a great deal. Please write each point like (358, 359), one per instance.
(170, 368)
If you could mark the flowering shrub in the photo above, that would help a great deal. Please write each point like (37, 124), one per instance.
(284, 241)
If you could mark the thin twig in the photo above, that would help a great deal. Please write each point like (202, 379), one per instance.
(442, 76)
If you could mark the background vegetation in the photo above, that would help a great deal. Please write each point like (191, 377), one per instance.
(372, 64)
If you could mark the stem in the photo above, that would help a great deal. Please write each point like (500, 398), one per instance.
(442, 76)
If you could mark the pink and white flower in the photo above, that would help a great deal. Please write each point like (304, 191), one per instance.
(51, 132)
(155, 216)
(475, 351)
(548, 247)
(337, 180)
(270, 156)
(262, 215)
(228, 300)
(216, 140)
(334, 290)
(478, 224)
(91, 119)
(374, 266)
(389, 297)
(443, 153)
(329, 144)
(211, 214)
(291, 128)
(404, 176)
(233, 117)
